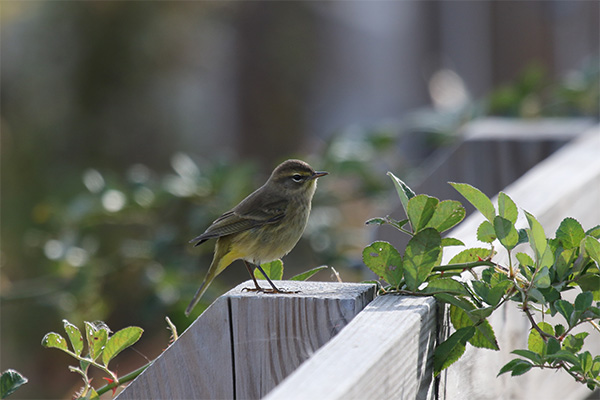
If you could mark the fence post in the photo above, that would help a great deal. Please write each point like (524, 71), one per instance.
(245, 343)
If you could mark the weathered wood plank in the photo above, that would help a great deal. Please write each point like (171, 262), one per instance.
(384, 353)
(246, 342)
(196, 366)
(274, 333)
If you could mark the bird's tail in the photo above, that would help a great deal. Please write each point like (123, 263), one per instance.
(197, 297)
(224, 255)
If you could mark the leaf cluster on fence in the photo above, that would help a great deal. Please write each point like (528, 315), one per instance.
(535, 281)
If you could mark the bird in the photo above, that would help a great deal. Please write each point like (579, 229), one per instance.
(263, 227)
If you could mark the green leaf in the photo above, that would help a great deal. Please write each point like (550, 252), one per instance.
(535, 341)
(74, 337)
(547, 258)
(542, 279)
(564, 262)
(516, 367)
(564, 308)
(420, 210)
(596, 366)
(420, 257)
(447, 214)
(54, 340)
(384, 260)
(523, 236)
(273, 269)
(96, 339)
(389, 221)
(120, 341)
(376, 221)
(492, 277)
(521, 368)
(553, 346)
(574, 343)
(533, 356)
(482, 289)
(10, 381)
(455, 301)
(470, 255)
(591, 246)
(507, 208)
(486, 232)
(307, 274)
(594, 232)
(497, 291)
(506, 232)
(583, 301)
(536, 295)
(586, 361)
(491, 294)
(550, 294)
(448, 241)
(570, 233)
(477, 198)
(447, 352)
(537, 237)
(481, 313)
(484, 335)
(404, 192)
(567, 356)
(525, 260)
(590, 283)
(445, 285)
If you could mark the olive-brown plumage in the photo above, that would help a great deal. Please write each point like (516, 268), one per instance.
(264, 226)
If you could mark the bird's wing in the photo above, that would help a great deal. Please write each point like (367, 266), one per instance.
(243, 218)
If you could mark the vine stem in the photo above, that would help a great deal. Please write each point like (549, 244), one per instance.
(534, 325)
(124, 379)
(463, 266)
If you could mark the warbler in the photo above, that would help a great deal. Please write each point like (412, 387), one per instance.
(263, 227)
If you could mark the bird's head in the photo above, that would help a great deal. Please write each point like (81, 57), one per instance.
(295, 177)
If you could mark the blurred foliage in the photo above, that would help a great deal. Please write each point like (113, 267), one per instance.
(535, 94)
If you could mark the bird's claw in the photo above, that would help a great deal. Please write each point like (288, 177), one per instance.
(270, 290)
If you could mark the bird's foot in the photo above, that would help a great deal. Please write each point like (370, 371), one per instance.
(270, 290)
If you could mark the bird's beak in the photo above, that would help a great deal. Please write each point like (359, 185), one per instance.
(319, 174)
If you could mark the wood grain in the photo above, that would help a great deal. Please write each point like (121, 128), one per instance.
(196, 366)
(384, 353)
(274, 334)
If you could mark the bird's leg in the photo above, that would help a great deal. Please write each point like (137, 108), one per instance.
(258, 288)
(269, 280)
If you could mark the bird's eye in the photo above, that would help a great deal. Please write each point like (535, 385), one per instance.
(297, 178)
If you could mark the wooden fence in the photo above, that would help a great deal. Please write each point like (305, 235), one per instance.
(250, 346)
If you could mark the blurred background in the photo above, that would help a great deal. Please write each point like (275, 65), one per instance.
(127, 127)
